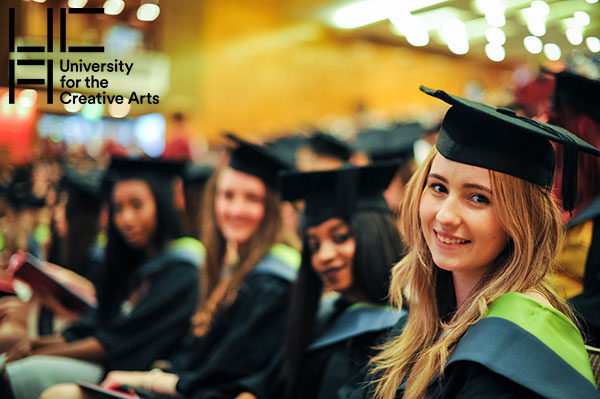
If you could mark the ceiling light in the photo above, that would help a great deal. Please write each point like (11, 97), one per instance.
(537, 27)
(575, 36)
(592, 1)
(77, 3)
(412, 28)
(454, 33)
(495, 52)
(540, 7)
(582, 18)
(533, 44)
(73, 106)
(113, 7)
(495, 36)
(148, 12)
(552, 51)
(593, 44)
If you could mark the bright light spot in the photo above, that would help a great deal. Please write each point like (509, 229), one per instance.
(497, 20)
(77, 3)
(119, 110)
(593, 44)
(495, 36)
(533, 44)
(413, 28)
(582, 18)
(27, 98)
(92, 111)
(552, 51)
(39, 1)
(495, 52)
(537, 27)
(149, 132)
(148, 12)
(574, 36)
(113, 7)
(361, 13)
(6, 108)
(592, 1)
(454, 34)
(540, 7)
(74, 105)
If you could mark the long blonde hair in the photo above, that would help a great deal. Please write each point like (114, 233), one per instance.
(217, 292)
(529, 216)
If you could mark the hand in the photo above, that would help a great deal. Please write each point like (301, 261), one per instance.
(21, 349)
(49, 300)
(131, 378)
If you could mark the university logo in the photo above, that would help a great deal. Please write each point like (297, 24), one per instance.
(49, 48)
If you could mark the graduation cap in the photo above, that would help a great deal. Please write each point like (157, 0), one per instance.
(257, 161)
(89, 183)
(196, 174)
(160, 171)
(326, 144)
(387, 144)
(498, 139)
(578, 92)
(286, 147)
(339, 192)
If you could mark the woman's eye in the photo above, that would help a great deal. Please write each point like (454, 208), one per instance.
(341, 238)
(479, 198)
(313, 246)
(438, 188)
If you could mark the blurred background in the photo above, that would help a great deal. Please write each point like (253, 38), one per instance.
(267, 68)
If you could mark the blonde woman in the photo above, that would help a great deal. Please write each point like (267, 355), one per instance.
(483, 230)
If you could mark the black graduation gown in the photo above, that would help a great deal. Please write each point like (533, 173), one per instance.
(587, 304)
(335, 363)
(134, 339)
(243, 337)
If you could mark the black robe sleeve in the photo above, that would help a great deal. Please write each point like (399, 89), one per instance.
(241, 342)
(156, 323)
(470, 380)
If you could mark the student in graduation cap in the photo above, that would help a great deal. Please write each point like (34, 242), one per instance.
(73, 246)
(322, 152)
(147, 295)
(576, 107)
(395, 143)
(241, 323)
(483, 230)
(350, 245)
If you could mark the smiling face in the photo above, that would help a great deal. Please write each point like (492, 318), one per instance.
(239, 205)
(458, 219)
(332, 248)
(134, 212)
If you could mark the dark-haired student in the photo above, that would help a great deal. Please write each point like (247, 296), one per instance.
(248, 272)
(350, 245)
(146, 297)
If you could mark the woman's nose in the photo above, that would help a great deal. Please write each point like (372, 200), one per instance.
(449, 212)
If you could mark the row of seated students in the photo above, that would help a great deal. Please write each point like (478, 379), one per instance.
(481, 229)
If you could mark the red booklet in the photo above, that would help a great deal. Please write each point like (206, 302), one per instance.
(40, 277)
(105, 393)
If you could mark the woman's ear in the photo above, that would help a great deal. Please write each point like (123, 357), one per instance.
(178, 195)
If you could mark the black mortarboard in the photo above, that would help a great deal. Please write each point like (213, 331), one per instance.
(257, 161)
(578, 92)
(196, 174)
(160, 171)
(339, 192)
(326, 144)
(286, 147)
(500, 140)
(393, 143)
(88, 183)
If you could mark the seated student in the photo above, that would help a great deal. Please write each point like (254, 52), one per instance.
(483, 229)
(350, 244)
(576, 107)
(73, 245)
(147, 296)
(241, 323)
